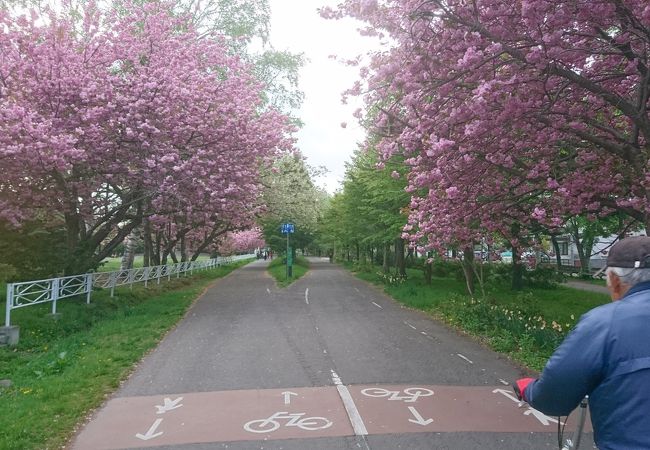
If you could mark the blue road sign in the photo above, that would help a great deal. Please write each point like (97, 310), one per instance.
(287, 228)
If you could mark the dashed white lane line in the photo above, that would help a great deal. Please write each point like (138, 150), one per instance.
(357, 290)
(268, 290)
(504, 382)
(465, 358)
(406, 323)
(307, 296)
(378, 306)
(348, 402)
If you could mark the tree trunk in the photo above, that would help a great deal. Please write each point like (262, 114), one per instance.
(428, 269)
(183, 249)
(148, 245)
(155, 255)
(129, 251)
(386, 266)
(556, 248)
(584, 259)
(468, 269)
(400, 261)
(517, 270)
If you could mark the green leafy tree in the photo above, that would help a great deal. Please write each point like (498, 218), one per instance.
(290, 196)
(370, 213)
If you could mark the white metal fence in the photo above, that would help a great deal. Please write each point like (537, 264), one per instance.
(30, 293)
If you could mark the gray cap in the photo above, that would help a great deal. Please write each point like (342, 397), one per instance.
(632, 252)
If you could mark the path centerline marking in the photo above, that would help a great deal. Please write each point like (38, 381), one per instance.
(350, 407)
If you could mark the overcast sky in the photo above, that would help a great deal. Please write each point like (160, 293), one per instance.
(296, 26)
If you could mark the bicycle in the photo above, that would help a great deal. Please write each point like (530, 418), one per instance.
(574, 442)
(411, 394)
(270, 424)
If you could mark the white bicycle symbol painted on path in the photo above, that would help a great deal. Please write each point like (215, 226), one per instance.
(295, 420)
(411, 395)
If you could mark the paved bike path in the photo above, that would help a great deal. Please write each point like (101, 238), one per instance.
(327, 363)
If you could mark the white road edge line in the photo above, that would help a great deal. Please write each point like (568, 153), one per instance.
(465, 358)
(378, 306)
(348, 402)
(307, 296)
(406, 323)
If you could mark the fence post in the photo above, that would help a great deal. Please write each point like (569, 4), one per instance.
(10, 304)
(55, 294)
(89, 287)
(159, 271)
(147, 271)
(131, 278)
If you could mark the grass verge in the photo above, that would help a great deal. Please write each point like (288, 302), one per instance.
(526, 325)
(278, 270)
(62, 369)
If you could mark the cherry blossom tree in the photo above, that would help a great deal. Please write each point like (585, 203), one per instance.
(241, 242)
(109, 118)
(511, 115)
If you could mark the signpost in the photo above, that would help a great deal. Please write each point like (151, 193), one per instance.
(288, 228)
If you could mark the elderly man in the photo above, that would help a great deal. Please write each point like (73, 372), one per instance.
(606, 356)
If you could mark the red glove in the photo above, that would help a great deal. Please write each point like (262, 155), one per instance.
(520, 387)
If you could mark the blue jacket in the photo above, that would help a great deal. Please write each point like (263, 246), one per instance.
(606, 356)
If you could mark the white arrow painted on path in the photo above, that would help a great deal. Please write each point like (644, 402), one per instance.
(169, 405)
(507, 394)
(419, 419)
(543, 418)
(151, 433)
(287, 397)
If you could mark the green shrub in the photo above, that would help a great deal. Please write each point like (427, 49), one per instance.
(506, 328)
(447, 269)
(543, 277)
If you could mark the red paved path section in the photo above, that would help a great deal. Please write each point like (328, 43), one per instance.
(449, 409)
(136, 422)
(215, 417)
